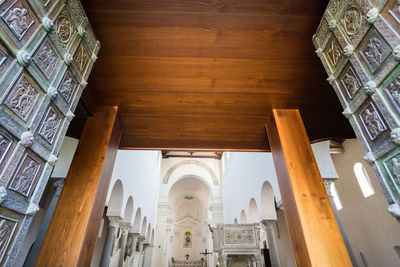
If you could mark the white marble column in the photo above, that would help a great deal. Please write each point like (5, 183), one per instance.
(147, 255)
(272, 247)
(140, 241)
(108, 244)
(125, 227)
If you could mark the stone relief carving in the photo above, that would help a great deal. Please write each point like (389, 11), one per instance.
(333, 7)
(64, 28)
(6, 232)
(25, 175)
(46, 59)
(372, 121)
(50, 125)
(244, 236)
(81, 58)
(18, 19)
(22, 98)
(393, 90)
(352, 20)
(5, 144)
(350, 82)
(375, 52)
(334, 52)
(67, 86)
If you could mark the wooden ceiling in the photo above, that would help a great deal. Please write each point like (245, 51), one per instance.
(205, 74)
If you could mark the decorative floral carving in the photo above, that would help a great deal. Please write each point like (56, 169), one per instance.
(25, 175)
(22, 98)
(46, 59)
(375, 52)
(64, 28)
(334, 52)
(50, 125)
(7, 227)
(350, 82)
(352, 20)
(18, 19)
(5, 144)
(244, 236)
(372, 121)
(67, 86)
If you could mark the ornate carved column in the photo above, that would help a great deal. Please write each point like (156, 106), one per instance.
(272, 247)
(108, 244)
(125, 227)
(327, 183)
(31, 258)
(132, 245)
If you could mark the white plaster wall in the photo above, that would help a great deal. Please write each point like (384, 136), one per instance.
(65, 156)
(139, 172)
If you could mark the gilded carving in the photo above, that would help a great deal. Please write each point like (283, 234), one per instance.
(244, 236)
(352, 20)
(5, 144)
(18, 19)
(372, 121)
(350, 82)
(7, 227)
(375, 52)
(334, 52)
(67, 86)
(81, 58)
(46, 59)
(25, 175)
(64, 28)
(50, 125)
(22, 98)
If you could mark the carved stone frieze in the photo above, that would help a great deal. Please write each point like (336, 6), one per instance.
(7, 228)
(67, 86)
(25, 176)
(22, 98)
(50, 125)
(244, 236)
(350, 81)
(372, 121)
(18, 19)
(375, 51)
(46, 59)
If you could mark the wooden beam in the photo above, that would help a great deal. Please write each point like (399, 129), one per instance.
(315, 235)
(73, 230)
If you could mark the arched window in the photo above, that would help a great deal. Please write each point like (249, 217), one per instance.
(336, 198)
(363, 180)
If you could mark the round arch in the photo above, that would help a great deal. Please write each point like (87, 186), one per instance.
(148, 233)
(192, 162)
(243, 217)
(116, 198)
(128, 214)
(143, 229)
(268, 211)
(253, 211)
(138, 219)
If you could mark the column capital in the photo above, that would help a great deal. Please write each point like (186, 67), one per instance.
(125, 227)
(114, 221)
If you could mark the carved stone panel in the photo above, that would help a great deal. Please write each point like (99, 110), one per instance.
(67, 86)
(81, 58)
(50, 124)
(46, 59)
(392, 90)
(392, 167)
(5, 60)
(7, 228)
(394, 10)
(18, 18)
(350, 81)
(64, 28)
(22, 97)
(374, 51)
(26, 174)
(334, 52)
(372, 121)
(7, 144)
(244, 236)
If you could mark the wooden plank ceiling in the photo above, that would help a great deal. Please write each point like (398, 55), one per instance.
(205, 74)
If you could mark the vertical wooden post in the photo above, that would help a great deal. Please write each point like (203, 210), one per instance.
(73, 230)
(313, 230)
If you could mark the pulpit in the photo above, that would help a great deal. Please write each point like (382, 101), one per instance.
(237, 244)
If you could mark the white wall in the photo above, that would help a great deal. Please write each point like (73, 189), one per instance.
(139, 172)
(65, 156)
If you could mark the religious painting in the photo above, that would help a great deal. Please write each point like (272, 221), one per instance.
(187, 239)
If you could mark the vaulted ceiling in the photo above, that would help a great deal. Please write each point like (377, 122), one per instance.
(205, 74)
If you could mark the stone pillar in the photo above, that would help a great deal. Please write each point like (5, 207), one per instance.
(140, 241)
(272, 247)
(132, 245)
(124, 236)
(108, 244)
(31, 258)
(224, 260)
(148, 249)
(328, 182)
